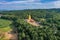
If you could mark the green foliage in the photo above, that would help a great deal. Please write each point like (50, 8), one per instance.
(49, 21)
(4, 27)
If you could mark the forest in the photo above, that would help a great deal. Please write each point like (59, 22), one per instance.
(48, 29)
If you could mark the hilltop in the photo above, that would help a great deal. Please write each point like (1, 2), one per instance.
(48, 18)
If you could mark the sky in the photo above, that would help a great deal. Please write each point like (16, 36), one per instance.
(28, 4)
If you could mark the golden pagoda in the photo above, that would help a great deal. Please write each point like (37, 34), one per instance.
(32, 21)
(29, 17)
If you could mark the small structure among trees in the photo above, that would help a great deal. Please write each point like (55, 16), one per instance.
(32, 21)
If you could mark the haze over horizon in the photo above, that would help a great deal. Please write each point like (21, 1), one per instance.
(28, 4)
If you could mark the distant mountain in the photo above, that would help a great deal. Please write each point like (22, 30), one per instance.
(33, 9)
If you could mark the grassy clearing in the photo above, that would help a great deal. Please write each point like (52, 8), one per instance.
(5, 25)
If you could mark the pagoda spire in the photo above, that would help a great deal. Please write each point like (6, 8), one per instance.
(29, 17)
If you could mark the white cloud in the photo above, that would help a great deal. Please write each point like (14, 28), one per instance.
(31, 0)
(15, 2)
(57, 4)
(29, 4)
(21, 2)
(53, 4)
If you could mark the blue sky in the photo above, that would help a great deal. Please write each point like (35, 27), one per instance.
(28, 4)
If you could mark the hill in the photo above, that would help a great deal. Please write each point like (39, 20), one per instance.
(48, 19)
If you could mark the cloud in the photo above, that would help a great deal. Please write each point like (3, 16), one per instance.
(21, 2)
(57, 4)
(31, 0)
(29, 4)
(54, 4)
(14, 2)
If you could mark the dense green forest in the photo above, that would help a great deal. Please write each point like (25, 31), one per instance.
(48, 19)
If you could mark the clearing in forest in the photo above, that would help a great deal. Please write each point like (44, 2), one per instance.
(6, 32)
(31, 21)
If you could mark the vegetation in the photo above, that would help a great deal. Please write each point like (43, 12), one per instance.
(49, 20)
(4, 27)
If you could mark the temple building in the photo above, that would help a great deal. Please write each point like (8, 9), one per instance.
(29, 17)
(32, 21)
